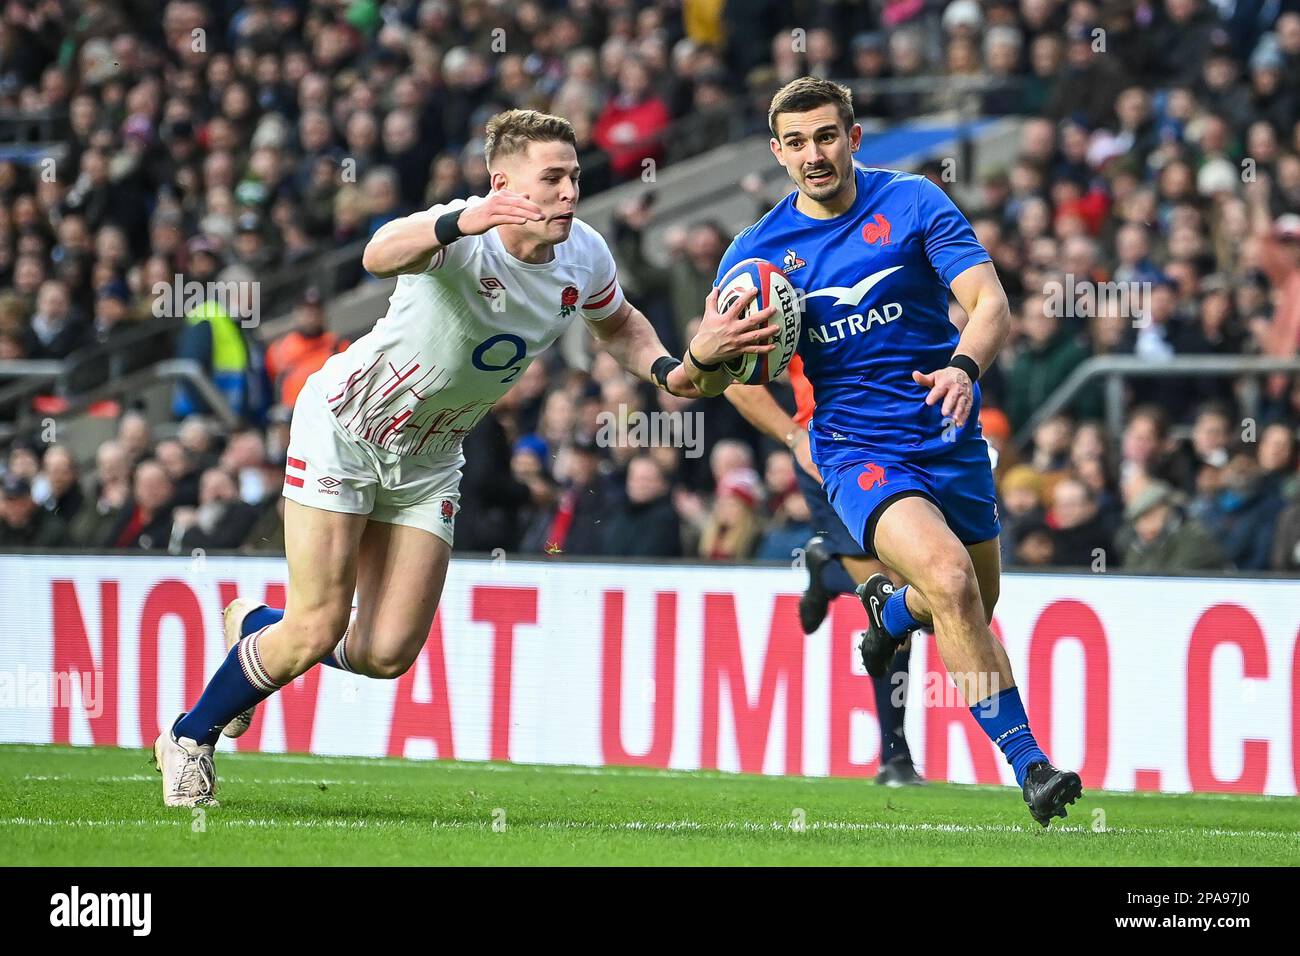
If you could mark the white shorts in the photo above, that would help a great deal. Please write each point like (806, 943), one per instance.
(330, 468)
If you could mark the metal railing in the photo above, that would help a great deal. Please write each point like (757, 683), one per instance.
(1116, 369)
(132, 361)
(187, 371)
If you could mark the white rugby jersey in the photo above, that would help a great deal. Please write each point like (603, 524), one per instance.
(457, 336)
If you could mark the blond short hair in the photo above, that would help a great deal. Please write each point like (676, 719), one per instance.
(808, 93)
(510, 132)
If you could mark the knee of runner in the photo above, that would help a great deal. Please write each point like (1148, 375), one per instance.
(390, 665)
(952, 584)
(315, 633)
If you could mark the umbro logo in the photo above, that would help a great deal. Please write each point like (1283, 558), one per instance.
(328, 485)
(491, 286)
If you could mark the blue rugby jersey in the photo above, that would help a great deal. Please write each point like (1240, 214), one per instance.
(875, 294)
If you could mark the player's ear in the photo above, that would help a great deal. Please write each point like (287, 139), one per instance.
(499, 181)
(776, 150)
(855, 137)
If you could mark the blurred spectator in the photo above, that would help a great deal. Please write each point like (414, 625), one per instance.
(687, 280)
(245, 458)
(212, 337)
(789, 530)
(110, 493)
(297, 354)
(55, 331)
(1021, 494)
(630, 125)
(572, 526)
(1079, 536)
(1158, 535)
(220, 521)
(60, 487)
(181, 470)
(1034, 547)
(494, 495)
(644, 523)
(112, 311)
(24, 523)
(145, 523)
(1050, 354)
(732, 527)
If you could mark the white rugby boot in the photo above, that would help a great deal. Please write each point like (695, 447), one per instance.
(189, 777)
(232, 624)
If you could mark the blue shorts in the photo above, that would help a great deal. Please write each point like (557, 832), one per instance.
(825, 521)
(861, 484)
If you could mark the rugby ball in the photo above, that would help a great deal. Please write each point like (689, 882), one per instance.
(773, 287)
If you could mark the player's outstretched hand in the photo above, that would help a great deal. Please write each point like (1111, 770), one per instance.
(954, 387)
(727, 335)
(500, 208)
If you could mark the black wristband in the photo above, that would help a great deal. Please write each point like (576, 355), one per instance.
(447, 229)
(700, 365)
(663, 365)
(966, 364)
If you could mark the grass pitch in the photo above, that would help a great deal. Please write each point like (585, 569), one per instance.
(98, 806)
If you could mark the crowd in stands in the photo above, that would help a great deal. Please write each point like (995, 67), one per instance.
(1160, 147)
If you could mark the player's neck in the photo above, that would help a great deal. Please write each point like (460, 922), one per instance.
(525, 248)
(837, 205)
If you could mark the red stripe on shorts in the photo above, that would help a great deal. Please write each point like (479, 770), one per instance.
(293, 481)
(296, 463)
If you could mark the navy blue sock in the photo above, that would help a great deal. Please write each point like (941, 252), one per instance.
(1002, 717)
(240, 682)
(835, 579)
(891, 708)
(260, 618)
(898, 620)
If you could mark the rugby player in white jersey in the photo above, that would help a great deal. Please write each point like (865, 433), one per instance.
(374, 462)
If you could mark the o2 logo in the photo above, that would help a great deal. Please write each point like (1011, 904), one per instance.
(508, 351)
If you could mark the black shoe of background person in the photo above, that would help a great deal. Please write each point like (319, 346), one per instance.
(816, 600)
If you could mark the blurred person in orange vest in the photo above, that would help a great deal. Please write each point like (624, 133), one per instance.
(295, 355)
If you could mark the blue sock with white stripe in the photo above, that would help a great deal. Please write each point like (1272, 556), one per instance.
(240, 682)
(1002, 717)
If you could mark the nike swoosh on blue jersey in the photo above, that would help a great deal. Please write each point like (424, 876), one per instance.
(853, 296)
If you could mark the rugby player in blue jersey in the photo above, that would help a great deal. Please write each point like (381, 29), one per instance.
(895, 435)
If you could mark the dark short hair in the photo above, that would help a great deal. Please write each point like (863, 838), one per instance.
(808, 93)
